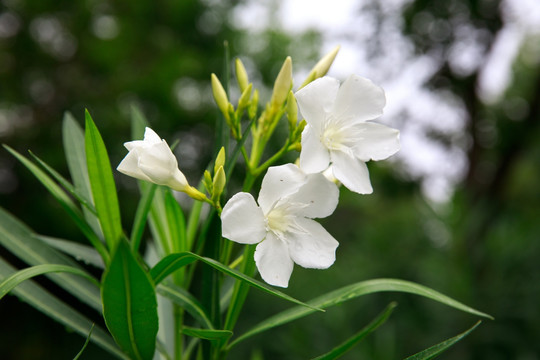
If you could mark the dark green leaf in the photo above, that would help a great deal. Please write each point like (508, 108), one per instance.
(436, 350)
(349, 292)
(186, 301)
(85, 343)
(23, 243)
(102, 184)
(64, 200)
(173, 262)
(15, 279)
(51, 306)
(129, 304)
(207, 334)
(141, 215)
(355, 339)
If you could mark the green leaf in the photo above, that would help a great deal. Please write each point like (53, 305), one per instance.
(64, 200)
(206, 333)
(80, 252)
(349, 292)
(102, 184)
(51, 306)
(66, 184)
(23, 243)
(85, 344)
(141, 215)
(176, 222)
(436, 350)
(173, 262)
(15, 279)
(129, 304)
(187, 301)
(355, 339)
(74, 149)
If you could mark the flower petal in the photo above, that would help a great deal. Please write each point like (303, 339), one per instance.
(314, 156)
(376, 142)
(319, 196)
(151, 137)
(273, 261)
(242, 220)
(316, 99)
(130, 166)
(352, 172)
(279, 182)
(358, 99)
(314, 249)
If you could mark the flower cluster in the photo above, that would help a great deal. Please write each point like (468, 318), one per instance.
(337, 138)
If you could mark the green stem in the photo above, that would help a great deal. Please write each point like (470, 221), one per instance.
(178, 324)
(273, 159)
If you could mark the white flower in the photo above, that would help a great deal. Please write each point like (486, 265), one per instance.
(152, 160)
(282, 222)
(338, 133)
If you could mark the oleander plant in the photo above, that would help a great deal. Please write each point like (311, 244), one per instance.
(174, 284)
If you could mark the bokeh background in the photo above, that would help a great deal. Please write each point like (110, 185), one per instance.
(457, 209)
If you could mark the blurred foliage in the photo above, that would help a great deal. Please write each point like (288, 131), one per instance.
(481, 248)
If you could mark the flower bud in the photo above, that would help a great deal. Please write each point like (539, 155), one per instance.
(152, 160)
(220, 160)
(292, 110)
(283, 84)
(245, 98)
(241, 75)
(220, 96)
(219, 183)
(252, 110)
(321, 68)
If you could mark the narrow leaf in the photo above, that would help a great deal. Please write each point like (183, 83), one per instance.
(80, 252)
(141, 215)
(187, 301)
(15, 279)
(173, 262)
(85, 344)
(349, 292)
(23, 243)
(355, 339)
(74, 148)
(64, 200)
(206, 333)
(102, 184)
(436, 350)
(130, 305)
(51, 306)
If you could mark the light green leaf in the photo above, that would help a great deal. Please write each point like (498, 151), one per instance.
(349, 292)
(173, 262)
(64, 200)
(43, 301)
(436, 350)
(85, 344)
(74, 148)
(102, 184)
(338, 351)
(23, 243)
(130, 305)
(15, 279)
(176, 222)
(187, 301)
(80, 252)
(206, 333)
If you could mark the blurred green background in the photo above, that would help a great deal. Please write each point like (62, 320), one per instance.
(479, 243)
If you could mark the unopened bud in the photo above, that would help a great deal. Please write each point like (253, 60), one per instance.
(243, 102)
(219, 183)
(220, 160)
(283, 84)
(292, 110)
(208, 183)
(321, 68)
(220, 96)
(252, 110)
(241, 75)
